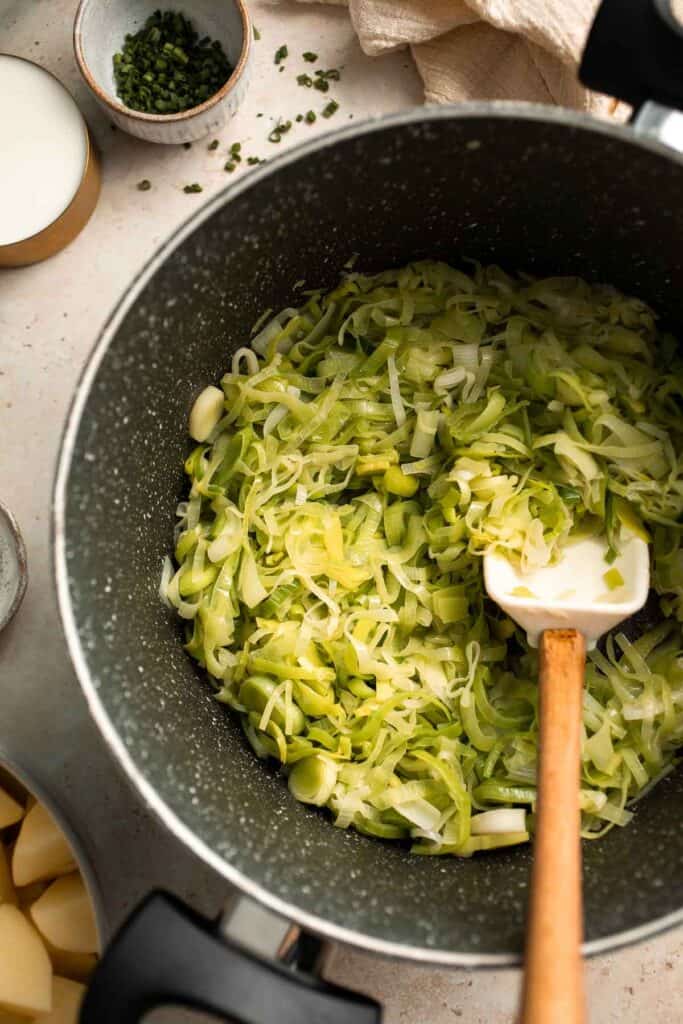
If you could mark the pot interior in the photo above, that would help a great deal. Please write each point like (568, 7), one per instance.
(526, 188)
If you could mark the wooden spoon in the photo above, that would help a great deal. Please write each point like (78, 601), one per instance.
(582, 590)
(553, 976)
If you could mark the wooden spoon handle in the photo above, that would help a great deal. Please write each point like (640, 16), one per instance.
(553, 974)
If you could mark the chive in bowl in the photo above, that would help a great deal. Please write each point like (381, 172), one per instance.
(100, 31)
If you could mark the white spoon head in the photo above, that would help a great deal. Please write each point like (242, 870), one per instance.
(582, 591)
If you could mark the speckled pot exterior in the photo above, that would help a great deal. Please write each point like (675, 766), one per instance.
(99, 31)
(531, 188)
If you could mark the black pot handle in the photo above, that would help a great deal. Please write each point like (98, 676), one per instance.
(166, 954)
(635, 53)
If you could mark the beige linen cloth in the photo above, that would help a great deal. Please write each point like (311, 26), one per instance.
(486, 49)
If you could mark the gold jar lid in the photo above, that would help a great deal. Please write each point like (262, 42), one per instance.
(49, 172)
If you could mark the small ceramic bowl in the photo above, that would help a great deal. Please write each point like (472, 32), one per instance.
(100, 30)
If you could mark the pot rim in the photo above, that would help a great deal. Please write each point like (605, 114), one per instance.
(346, 936)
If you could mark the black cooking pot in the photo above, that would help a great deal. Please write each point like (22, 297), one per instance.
(531, 188)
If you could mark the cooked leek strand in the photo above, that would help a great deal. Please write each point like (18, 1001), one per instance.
(354, 468)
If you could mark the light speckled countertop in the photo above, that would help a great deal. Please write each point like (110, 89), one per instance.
(49, 317)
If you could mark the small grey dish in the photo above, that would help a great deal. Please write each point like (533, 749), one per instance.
(100, 29)
(13, 567)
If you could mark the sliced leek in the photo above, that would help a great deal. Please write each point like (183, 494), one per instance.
(355, 465)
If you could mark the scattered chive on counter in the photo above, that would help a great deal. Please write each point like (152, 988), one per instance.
(310, 56)
(235, 157)
(279, 130)
(331, 108)
(310, 117)
(305, 80)
(194, 187)
(145, 185)
(213, 145)
(257, 34)
(281, 54)
(323, 79)
(165, 67)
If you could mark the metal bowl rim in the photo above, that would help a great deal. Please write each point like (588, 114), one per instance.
(22, 567)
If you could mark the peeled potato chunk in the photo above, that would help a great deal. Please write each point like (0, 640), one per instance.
(64, 917)
(7, 893)
(30, 893)
(41, 850)
(10, 811)
(10, 783)
(76, 966)
(25, 968)
(67, 997)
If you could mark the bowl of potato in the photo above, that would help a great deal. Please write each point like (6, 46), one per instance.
(50, 919)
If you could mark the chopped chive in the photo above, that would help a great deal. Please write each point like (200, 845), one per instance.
(305, 80)
(230, 166)
(165, 68)
(331, 108)
(332, 75)
(310, 57)
(253, 160)
(257, 34)
(310, 117)
(281, 54)
(145, 185)
(279, 130)
(299, 118)
(323, 78)
(194, 187)
(213, 145)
